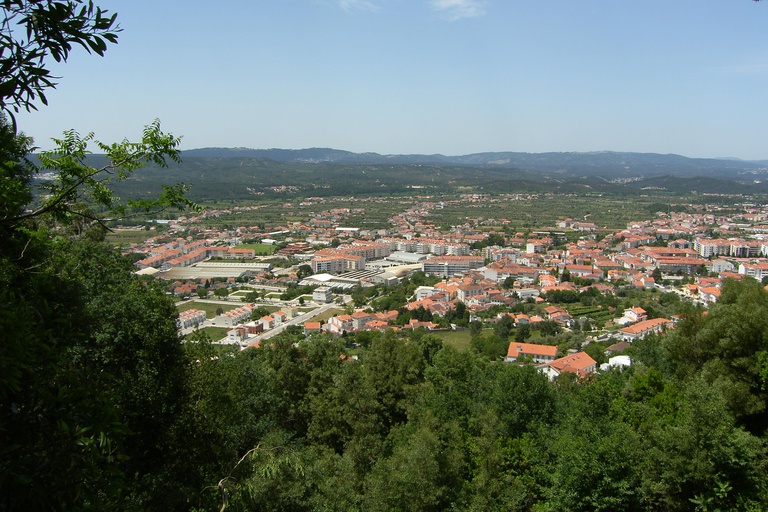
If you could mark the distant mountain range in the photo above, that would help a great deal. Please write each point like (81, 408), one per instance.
(217, 174)
(608, 164)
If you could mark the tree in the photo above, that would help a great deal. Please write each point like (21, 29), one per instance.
(304, 271)
(596, 352)
(91, 367)
(523, 332)
(32, 31)
(504, 327)
(259, 312)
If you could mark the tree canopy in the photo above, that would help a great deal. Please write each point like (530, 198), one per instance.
(104, 407)
(33, 31)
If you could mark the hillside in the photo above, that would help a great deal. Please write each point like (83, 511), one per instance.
(608, 164)
(242, 176)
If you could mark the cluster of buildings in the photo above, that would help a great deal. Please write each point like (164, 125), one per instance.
(526, 267)
(245, 330)
(546, 360)
(184, 252)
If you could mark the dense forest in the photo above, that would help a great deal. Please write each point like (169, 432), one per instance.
(103, 407)
(248, 178)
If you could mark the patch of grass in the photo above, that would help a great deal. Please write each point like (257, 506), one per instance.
(128, 236)
(460, 340)
(210, 309)
(259, 249)
(215, 333)
(328, 314)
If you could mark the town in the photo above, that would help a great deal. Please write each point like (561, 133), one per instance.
(318, 275)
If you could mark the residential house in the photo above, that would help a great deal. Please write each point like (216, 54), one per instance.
(539, 353)
(312, 327)
(635, 314)
(644, 328)
(191, 318)
(340, 324)
(579, 363)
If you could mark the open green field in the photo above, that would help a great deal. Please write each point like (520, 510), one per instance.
(328, 314)
(460, 340)
(210, 309)
(259, 249)
(215, 333)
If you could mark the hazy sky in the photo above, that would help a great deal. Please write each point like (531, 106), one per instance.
(427, 76)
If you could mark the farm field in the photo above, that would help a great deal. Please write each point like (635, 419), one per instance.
(125, 237)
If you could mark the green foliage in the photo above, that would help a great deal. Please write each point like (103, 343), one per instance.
(563, 296)
(15, 174)
(492, 346)
(597, 352)
(103, 408)
(83, 191)
(32, 31)
(102, 375)
(294, 291)
(725, 346)
(259, 312)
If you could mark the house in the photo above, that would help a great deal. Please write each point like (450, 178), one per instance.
(312, 327)
(558, 315)
(422, 292)
(376, 325)
(322, 295)
(415, 324)
(359, 319)
(635, 314)
(191, 318)
(709, 294)
(340, 324)
(234, 317)
(617, 362)
(280, 317)
(539, 353)
(237, 335)
(470, 293)
(617, 348)
(644, 328)
(579, 363)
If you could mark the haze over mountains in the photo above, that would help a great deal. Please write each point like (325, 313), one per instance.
(241, 174)
(609, 164)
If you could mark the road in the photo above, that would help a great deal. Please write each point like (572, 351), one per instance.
(298, 320)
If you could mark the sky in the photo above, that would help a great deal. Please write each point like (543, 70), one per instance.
(426, 76)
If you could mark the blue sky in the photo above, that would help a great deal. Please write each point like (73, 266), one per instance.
(427, 76)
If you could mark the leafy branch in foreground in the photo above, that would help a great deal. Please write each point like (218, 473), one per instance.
(31, 31)
(79, 189)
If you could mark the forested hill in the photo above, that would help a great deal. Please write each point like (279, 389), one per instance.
(245, 177)
(608, 164)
